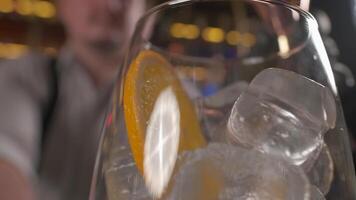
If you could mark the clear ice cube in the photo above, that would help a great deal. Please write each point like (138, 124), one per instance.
(284, 114)
(123, 181)
(228, 172)
(315, 194)
(322, 172)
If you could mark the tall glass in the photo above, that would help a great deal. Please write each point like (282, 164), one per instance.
(202, 97)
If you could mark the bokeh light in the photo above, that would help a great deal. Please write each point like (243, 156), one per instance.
(37, 8)
(213, 34)
(233, 37)
(6, 6)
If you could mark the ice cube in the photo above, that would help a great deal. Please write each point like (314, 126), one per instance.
(284, 114)
(322, 172)
(225, 172)
(315, 194)
(226, 96)
(122, 178)
(299, 92)
(123, 181)
(125, 184)
(213, 110)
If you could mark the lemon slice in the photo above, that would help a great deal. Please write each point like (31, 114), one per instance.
(147, 77)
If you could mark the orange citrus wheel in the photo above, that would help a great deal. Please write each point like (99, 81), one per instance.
(148, 75)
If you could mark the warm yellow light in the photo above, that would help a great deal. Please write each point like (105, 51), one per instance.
(191, 31)
(187, 31)
(50, 51)
(11, 50)
(6, 6)
(44, 9)
(1, 50)
(176, 30)
(233, 37)
(213, 34)
(248, 40)
(16, 50)
(24, 7)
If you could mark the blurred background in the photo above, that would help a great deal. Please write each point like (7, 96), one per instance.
(28, 24)
(32, 24)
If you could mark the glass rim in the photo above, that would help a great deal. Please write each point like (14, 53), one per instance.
(309, 20)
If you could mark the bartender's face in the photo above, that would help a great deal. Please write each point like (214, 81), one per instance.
(100, 25)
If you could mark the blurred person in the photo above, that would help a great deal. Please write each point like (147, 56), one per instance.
(52, 109)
